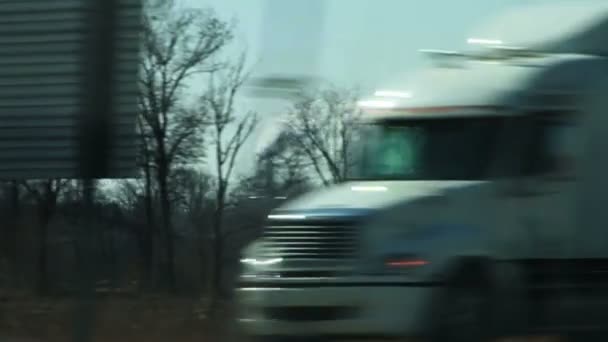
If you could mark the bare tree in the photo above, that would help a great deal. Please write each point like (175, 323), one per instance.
(230, 132)
(281, 170)
(322, 126)
(193, 196)
(11, 205)
(146, 232)
(178, 44)
(45, 195)
(135, 198)
(191, 190)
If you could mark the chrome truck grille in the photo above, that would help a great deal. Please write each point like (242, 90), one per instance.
(310, 249)
(333, 241)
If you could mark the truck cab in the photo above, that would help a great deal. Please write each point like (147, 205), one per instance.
(474, 208)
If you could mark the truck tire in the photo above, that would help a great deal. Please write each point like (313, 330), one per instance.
(462, 309)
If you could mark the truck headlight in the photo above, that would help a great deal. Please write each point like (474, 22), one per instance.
(261, 261)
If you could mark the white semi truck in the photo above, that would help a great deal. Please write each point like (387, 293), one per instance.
(478, 205)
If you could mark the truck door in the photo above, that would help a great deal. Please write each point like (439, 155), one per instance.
(548, 209)
(591, 202)
(548, 215)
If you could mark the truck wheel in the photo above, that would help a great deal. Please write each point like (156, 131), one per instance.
(463, 310)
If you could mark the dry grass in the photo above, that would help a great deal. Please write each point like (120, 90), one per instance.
(149, 319)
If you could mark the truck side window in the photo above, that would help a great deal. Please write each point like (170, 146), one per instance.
(397, 151)
(556, 144)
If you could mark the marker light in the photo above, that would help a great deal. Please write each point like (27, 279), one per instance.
(407, 263)
(368, 188)
(286, 217)
(480, 41)
(376, 104)
(390, 93)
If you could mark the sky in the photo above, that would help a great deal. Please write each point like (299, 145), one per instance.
(364, 43)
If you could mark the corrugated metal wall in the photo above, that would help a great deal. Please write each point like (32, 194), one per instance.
(43, 56)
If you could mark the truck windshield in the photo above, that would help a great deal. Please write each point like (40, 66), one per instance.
(430, 149)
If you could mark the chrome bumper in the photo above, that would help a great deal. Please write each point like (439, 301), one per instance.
(331, 307)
